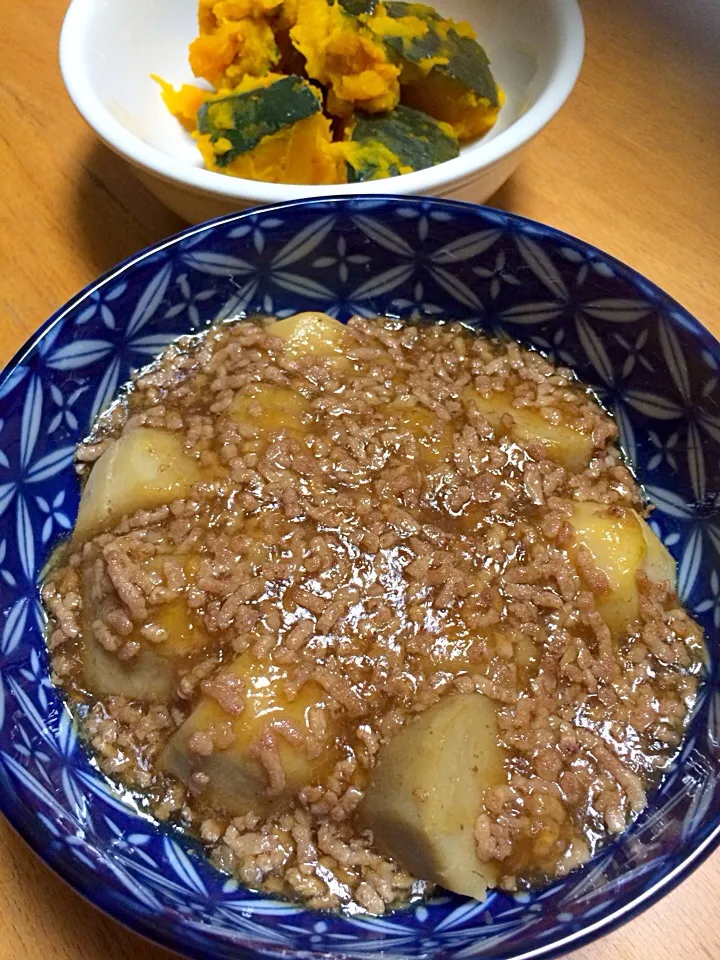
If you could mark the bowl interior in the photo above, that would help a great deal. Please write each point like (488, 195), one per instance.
(654, 366)
(124, 42)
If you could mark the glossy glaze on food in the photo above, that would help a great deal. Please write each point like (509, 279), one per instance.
(371, 607)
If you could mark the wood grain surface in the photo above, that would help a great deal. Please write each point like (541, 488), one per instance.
(631, 164)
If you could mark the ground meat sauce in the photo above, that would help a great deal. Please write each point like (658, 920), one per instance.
(371, 521)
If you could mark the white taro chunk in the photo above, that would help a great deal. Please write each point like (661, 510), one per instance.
(620, 544)
(564, 442)
(312, 335)
(143, 469)
(427, 788)
(270, 409)
(147, 676)
(150, 674)
(265, 720)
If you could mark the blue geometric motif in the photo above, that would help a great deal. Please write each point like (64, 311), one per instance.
(654, 366)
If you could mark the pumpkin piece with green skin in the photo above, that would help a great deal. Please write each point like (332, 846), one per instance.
(238, 122)
(371, 161)
(399, 142)
(467, 62)
(269, 128)
(302, 153)
(445, 71)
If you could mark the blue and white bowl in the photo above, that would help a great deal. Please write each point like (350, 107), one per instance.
(653, 365)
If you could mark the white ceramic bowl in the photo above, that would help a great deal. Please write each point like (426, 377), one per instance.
(109, 48)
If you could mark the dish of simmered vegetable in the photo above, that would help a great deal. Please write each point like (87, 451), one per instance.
(332, 91)
(370, 608)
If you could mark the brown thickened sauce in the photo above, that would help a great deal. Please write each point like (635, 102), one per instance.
(353, 528)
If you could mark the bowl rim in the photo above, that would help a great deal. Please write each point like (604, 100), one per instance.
(81, 881)
(197, 180)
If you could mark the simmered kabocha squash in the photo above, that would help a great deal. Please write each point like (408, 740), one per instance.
(388, 144)
(270, 128)
(236, 123)
(425, 78)
(343, 55)
(183, 103)
(236, 40)
(212, 13)
(445, 71)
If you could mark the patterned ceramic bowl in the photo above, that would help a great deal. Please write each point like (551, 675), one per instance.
(653, 365)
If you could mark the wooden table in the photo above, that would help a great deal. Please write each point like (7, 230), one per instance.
(632, 164)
